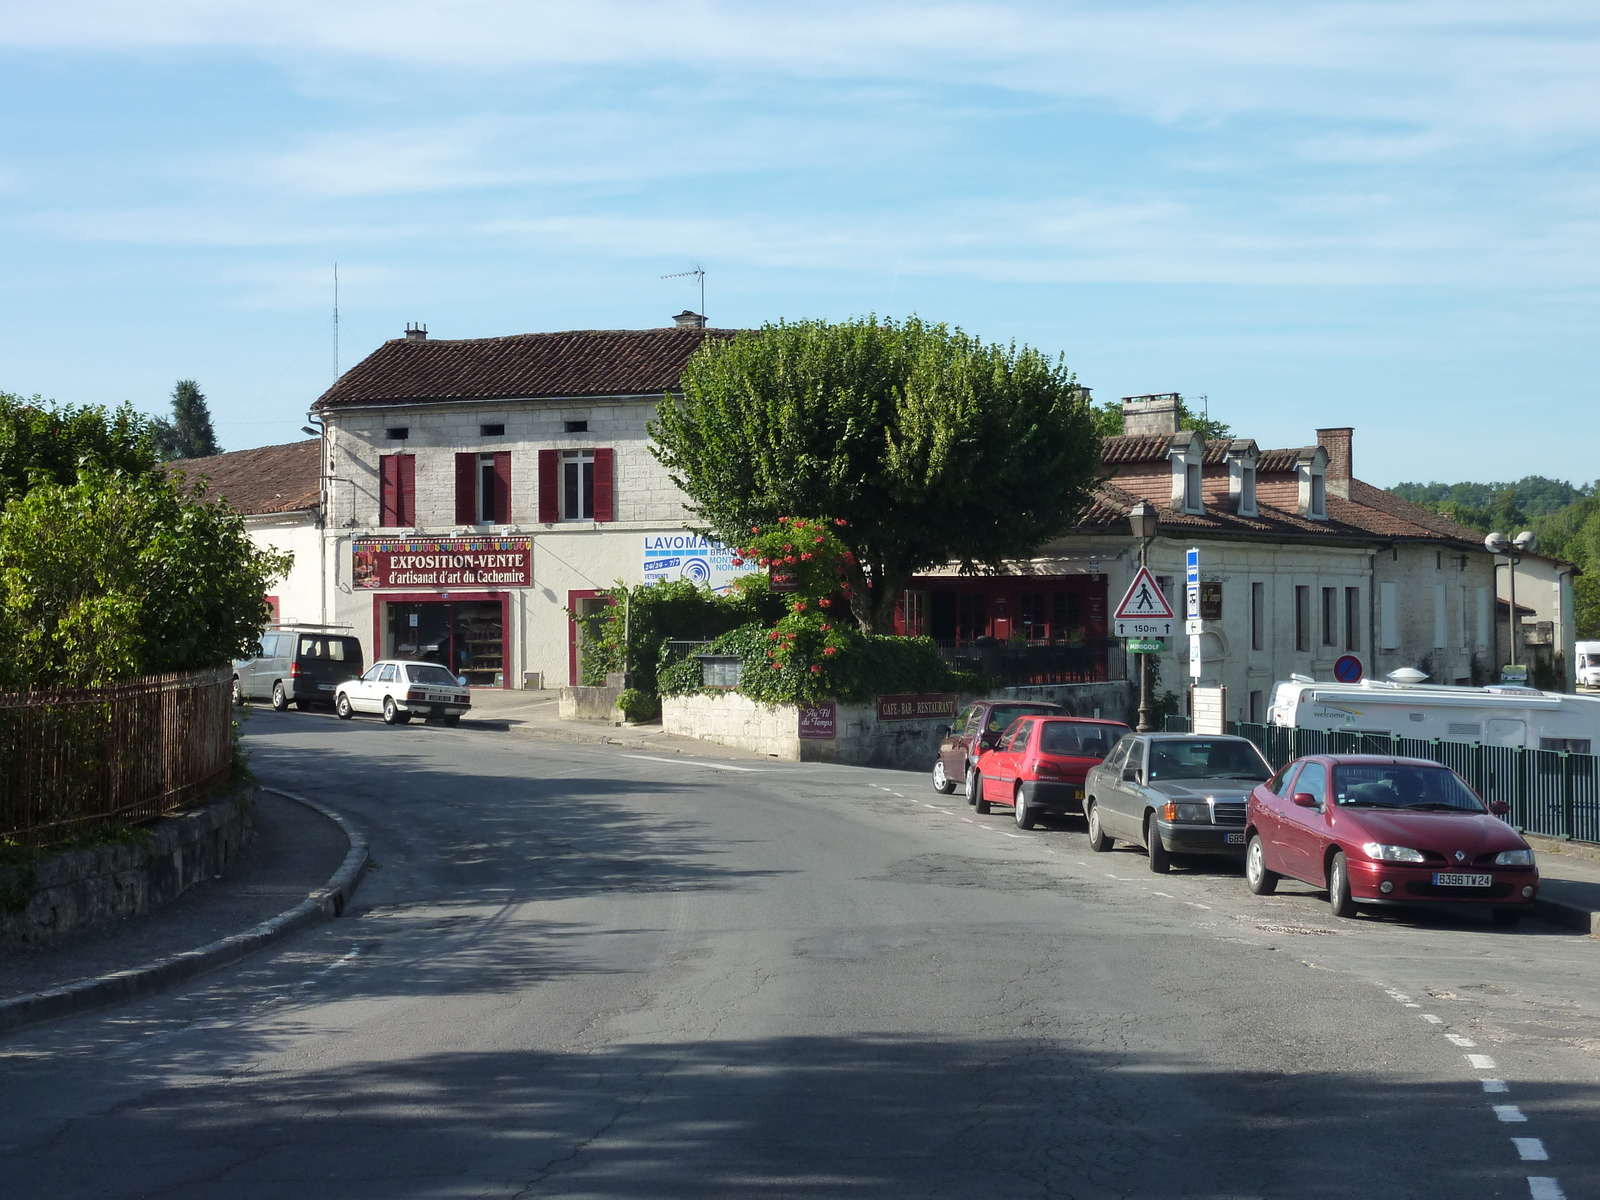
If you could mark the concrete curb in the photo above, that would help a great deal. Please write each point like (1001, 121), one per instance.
(1569, 916)
(327, 902)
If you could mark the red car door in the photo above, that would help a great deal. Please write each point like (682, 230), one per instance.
(998, 766)
(1303, 832)
(1267, 804)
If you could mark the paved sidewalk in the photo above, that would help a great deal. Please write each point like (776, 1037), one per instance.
(296, 851)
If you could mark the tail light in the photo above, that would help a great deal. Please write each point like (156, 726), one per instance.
(1045, 767)
(294, 669)
(416, 694)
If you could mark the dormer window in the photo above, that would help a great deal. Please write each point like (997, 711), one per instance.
(1184, 451)
(1311, 471)
(1242, 455)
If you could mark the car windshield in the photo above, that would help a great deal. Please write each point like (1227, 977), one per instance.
(1001, 715)
(1200, 759)
(426, 673)
(1394, 785)
(1072, 738)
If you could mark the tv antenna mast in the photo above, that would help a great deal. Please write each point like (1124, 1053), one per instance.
(336, 322)
(697, 273)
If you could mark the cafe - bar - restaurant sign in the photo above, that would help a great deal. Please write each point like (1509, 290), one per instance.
(443, 562)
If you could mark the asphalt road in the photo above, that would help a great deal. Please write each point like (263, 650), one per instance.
(582, 972)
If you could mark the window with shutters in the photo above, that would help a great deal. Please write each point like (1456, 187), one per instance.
(483, 488)
(577, 485)
(397, 490)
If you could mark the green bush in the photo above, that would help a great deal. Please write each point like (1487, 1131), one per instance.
(639, 706)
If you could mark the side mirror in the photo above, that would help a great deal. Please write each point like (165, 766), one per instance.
(1130, 774)
(462, 680)
(940, 732)
(1305, 800)
(1500, 808)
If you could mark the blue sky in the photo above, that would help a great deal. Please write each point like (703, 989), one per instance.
(1380, 215)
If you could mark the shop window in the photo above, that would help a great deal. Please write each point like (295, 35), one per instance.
(397, 490)
(465, 637)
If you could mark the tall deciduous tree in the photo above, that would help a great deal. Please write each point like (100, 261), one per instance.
(42, 442)
(189, 433)
(932, 446)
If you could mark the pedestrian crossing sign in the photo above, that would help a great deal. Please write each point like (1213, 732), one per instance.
(1144, 611)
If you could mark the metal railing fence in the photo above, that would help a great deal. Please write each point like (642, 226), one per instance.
(1551, 792)
(78, 758)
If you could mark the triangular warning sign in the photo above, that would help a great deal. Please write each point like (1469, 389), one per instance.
(1144, 601)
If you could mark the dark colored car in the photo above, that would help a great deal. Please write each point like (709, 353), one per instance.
(303, 666)
(978, 728)
(1039, 765)
(1377, 830)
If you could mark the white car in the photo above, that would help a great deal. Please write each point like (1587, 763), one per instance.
(402, 690)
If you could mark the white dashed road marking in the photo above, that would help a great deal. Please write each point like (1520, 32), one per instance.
(1495, 1085)
(1542, 1187)
(1480, 1062)
(1432, 1020)
(1508, 1112)
(1455, 1039)
(1531, 1149)
(695, 762)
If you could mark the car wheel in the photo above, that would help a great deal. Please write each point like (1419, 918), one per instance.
(238, 693)
(280, 698)
(1019, 807)
(1262, 881)
(1339, 887)
(1507, 916)
(1098, 841)
(974, 783)
(342, 707)
(1160, 860)
(941, 781)
(391, 714)
(980, 804)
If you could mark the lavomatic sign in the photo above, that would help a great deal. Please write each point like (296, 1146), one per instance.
(917, 708)
(442, 562)
(688, 556)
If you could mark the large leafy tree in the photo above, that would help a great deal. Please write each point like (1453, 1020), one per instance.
(42, 442)
(930, 445)
(115, 576)
(189, 433)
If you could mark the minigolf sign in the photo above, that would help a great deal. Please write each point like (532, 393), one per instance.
(1144, 611)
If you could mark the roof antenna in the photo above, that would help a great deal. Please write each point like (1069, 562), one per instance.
(701, 275)
(336, 322)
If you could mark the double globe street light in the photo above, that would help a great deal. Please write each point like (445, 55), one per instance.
(1496, 543)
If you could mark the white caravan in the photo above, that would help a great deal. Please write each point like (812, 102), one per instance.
(1588, 663)
(1497, 715)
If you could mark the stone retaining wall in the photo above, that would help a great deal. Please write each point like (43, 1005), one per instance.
(590, 704)
(49, 898)
(861, 740)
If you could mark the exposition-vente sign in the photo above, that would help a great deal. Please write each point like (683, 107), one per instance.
(443, 562)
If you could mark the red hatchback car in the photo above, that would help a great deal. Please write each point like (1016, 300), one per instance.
(1376, 830)
(1039, 765)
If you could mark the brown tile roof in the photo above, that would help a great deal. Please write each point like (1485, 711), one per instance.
(268, 479)
(592, 362)
(1385, 513)
(1108, 512)
(1153, 447)
(1277, 462)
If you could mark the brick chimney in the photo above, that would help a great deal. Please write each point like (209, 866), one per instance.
(1154, 414)
(689, 320)
(416, 333)
(1337, 443)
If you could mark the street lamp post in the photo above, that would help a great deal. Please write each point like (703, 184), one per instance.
(1142, 518)
(1496, 543)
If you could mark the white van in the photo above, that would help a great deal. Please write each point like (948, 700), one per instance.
(1497, 715)
(1588, 664)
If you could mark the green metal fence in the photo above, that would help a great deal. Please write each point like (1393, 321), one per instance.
(1551, 792)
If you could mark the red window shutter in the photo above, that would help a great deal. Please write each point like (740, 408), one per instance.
(466, 489)
(388, 490)
(502, 487)
(549, 487)
(603, 480)
(408, 489)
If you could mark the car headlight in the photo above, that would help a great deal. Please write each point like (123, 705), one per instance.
(1514, 858)
(1382, 853)
(1197, 813)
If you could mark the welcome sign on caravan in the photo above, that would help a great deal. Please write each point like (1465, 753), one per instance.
(689, 556)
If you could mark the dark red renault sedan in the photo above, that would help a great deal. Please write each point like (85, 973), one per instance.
(1376, 830)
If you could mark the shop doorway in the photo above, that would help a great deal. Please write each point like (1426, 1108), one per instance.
(465, 636)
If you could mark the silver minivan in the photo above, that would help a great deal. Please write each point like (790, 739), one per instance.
(1173, 793)
(301, 665)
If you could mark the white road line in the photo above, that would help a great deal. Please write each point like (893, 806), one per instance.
(969, 820)
(1543, 1187)
(694, 762)
(1016, 835)
(935, 807)
(1432, 1020)
(1413, 1006)
(1480, 1062)
(1153, 892)
(1455, 1039)
(1531, 1149)
(1192, 904)
(1509, 1113)
(1495, 1085)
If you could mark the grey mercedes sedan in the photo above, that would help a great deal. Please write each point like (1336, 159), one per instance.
(1173, 793)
